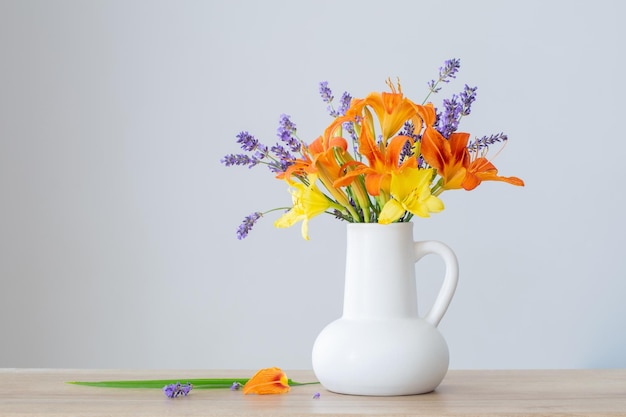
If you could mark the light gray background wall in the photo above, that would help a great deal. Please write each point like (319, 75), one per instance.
(117, 221)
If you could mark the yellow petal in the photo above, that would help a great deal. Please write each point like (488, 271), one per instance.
(288, 219)
(434, 204)
(305, 228)
(392, 211)
(308, 202)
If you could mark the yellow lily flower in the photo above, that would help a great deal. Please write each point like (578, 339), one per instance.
(308, 202)
(410, 191)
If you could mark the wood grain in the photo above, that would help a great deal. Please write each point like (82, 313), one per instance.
(43, 392)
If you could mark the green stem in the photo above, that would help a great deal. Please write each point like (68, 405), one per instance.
(276, 209)
(438, 188)
(210, 383)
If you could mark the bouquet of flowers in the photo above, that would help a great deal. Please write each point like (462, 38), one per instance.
(382, 159)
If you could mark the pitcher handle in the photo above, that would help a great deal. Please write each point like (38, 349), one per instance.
(450, 279)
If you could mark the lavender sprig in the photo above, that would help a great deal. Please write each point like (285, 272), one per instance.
(249, 144)
(446, 72)
(286, 132)
(448, 120)
(344, 104)
(407, 150)
(325, 92)
(454, 109)
(239, 159)
(247, 141)
(283, 159)
(277, 158)
(468, 96)
(174, 390)
(486, 141)
(247, 224)
(327, 96)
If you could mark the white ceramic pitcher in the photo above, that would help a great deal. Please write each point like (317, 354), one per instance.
(380, 346)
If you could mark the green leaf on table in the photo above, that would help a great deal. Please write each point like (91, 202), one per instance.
(205, 383)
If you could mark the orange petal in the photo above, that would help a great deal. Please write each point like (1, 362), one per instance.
(458, 146)
(346, 179)
(394, 150)
(435, 149)
(375, 182)
(483, 170)
(317, 146)
(427, 113)
(267, 381)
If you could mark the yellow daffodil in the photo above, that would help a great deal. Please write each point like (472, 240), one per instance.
(410, 191)
(308, 202)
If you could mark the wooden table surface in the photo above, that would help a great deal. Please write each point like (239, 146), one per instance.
(43, 392)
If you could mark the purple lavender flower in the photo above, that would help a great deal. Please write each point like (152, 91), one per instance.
(236, 386)
(448, 120)
(449, 69)
(286, 133)
(247, 224)
(250, 144)
(409, 130)
(247, 141)
(349, 127)
(286, 125)
(282, 153)
(327, 96)
(261, 151)
(174, 390)
(446, 72)
(420, 162)
(468, 96)
(284, 159)
(316, 396)
(407, 150)
(344, 104)
(325, 92)
(485, 141)
(239, 159)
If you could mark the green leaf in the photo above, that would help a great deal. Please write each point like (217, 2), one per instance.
(207, 383)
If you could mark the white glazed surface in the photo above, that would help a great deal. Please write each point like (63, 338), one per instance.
(380, 346)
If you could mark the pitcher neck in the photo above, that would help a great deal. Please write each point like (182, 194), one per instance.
(380, 271)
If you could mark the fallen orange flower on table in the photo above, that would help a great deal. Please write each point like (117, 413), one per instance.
(267, 381)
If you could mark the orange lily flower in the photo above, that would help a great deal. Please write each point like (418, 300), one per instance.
(267, 381)
(480, 169)
(381, 163)
(319, 152)
(451, 158)
(320, 160)
(392, 110)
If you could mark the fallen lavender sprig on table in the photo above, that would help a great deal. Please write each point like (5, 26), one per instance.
(174, 390)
